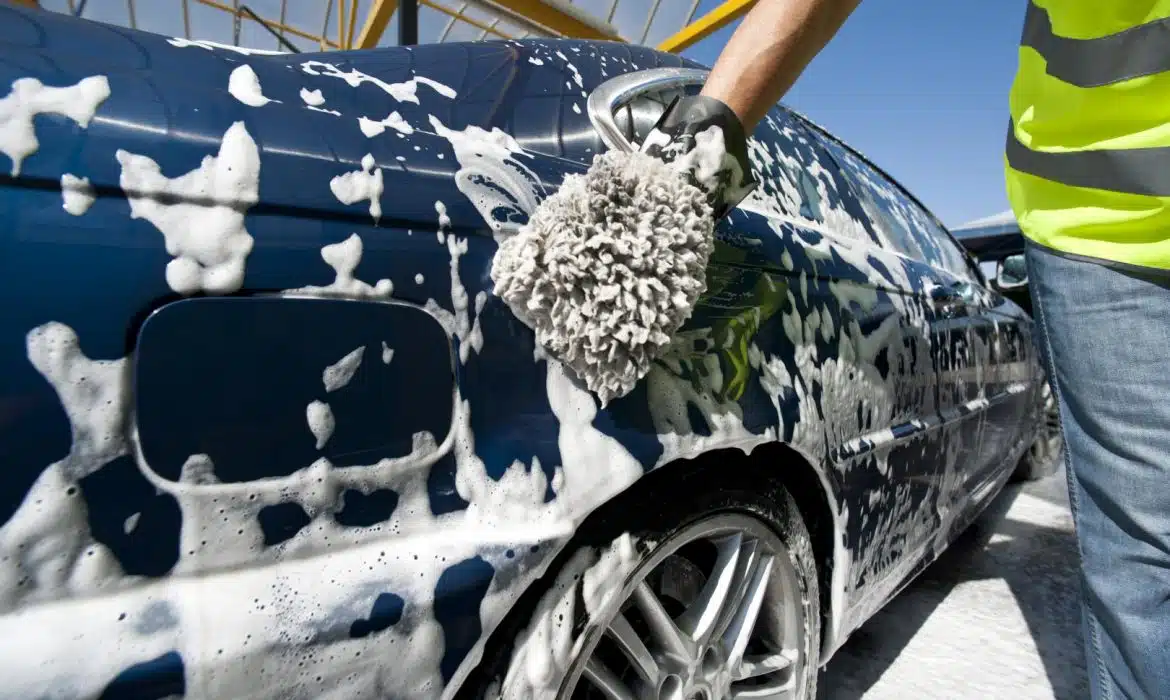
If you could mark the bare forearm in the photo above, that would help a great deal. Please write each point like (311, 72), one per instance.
(769, 51)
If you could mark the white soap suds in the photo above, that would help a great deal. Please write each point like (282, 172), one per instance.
(535, 61)
(130, 523)
(30, 97)
(372, 128)
(46, 550)
(244, 85)
(387, 353)
(609, 267)
(419, 279)
(355, 186)
(312, 98)
(200, 213)
(459, 323)
(344, 258)
(76, 194)
(546, 648)
(490, 175)
(210, 45)
(340, 373)
(321, 421)
(403, 92)
(576, 108)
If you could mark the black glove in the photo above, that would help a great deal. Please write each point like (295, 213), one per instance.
(689, 133)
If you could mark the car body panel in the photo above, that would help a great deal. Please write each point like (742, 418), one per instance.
(329, 556)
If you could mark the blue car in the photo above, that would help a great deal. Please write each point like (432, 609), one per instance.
(266, 432)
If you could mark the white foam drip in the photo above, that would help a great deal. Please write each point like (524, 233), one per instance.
(340, 373)
(76, 194)
(344, 257)
(30, 97)
(321, 421)
(200, 213)
(353, 187)
(244, 85)
(403, 92)
(312, 98)
(394, 120)
(387, 353)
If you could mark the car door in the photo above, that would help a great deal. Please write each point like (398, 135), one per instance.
(970, 336)
(869, 362)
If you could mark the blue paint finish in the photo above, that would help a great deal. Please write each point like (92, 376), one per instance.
(386, 612)
(366, 509)
(129, 515)
(282, 522)
(156, 679)
(458, 595)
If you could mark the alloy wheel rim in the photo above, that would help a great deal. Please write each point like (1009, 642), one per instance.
(715, 612)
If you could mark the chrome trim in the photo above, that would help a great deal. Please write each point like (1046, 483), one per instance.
(620, 90)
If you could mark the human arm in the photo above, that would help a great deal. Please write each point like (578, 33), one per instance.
(768, 52)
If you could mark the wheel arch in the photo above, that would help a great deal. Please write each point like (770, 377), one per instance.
(769, 463)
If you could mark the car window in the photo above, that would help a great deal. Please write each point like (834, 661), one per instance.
(902, 223)
(799, 180)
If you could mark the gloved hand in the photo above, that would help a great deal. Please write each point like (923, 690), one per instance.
(702, 137)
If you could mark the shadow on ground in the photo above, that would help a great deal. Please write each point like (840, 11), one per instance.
(957, 633)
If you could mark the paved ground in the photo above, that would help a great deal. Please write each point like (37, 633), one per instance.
(997, 616)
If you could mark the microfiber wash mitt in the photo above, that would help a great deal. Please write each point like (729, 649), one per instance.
(612, 264)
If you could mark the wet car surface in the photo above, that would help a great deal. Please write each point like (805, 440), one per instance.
(267, 433)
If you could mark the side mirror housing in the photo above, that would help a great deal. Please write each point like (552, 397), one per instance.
(1011, 273)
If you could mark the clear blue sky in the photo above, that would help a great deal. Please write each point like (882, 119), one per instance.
(920, 87)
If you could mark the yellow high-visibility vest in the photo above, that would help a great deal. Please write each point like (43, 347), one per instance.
(1088, 147)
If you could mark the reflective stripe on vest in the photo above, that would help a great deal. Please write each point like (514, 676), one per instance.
(1088, 142)
(1133, 53)
(1131, 170)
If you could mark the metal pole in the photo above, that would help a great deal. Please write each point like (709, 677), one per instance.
(408, 22)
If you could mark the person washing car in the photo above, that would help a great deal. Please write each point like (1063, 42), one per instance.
(1088, 176)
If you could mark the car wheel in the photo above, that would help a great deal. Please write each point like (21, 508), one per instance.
(707, 597)
(1043, 456)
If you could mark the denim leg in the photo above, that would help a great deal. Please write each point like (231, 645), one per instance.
(1105, 336)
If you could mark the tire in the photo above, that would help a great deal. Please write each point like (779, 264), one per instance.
(648, 546)
(1046, 452)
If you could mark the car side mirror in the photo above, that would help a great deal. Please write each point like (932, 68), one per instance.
(1012, 273)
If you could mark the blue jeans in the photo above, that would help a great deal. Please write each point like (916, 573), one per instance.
(1105, 338)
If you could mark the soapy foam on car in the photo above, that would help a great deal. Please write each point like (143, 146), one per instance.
(30, 97)
(547, 646)
(609, 267)
(244, 85)
(340, 373)
(366, 183)
(76, 194)
(321, 422)
(490, 174)
(344, 258)
(372, 127)
(200, 213)
(180, 42)
(402, 92)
